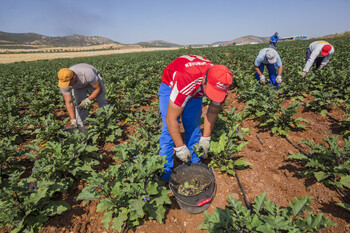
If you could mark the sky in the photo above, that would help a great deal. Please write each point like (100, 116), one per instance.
(178, 21)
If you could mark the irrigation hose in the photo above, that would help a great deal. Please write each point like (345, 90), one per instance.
(241, 187)
(344, 193)
(295, 146)
(259, 140)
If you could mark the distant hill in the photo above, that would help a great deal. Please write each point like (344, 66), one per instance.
(60, 41)
(158, 43)
(346, 33)
(244, 40)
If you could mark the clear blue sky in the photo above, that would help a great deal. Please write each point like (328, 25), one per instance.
(178, 21)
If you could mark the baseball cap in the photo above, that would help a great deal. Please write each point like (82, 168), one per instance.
(219, 79)
(325, 49)
(64, 77)
(270, 56)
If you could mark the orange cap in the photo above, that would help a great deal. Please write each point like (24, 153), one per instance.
(219, 79)
(325, 49)
(64, 77)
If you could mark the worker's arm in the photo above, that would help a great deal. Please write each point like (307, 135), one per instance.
(257, 70)
(210, 118)
(172, 117)
(280, 69)
(97, 91)
(69, 105)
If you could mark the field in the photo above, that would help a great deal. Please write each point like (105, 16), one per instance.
(292, 144)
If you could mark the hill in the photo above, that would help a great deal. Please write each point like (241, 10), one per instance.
(158, 43)
(33, 39)
(243, 40)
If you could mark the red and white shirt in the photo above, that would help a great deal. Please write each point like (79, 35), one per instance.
(184, 75)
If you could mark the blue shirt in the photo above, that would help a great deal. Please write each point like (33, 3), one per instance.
(274, 39)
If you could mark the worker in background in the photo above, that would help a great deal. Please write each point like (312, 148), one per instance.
(78, 80)
(270, 58)
(273, 40)
(319, 52)
(184, 82)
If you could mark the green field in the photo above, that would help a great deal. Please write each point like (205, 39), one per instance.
(40, 162)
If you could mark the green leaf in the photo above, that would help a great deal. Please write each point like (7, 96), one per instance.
(298, 156)
(259, 201)
(86, 195)
(344, 205)
(107, 218)
(56, 208)
(345, 180)
(242, 164)
(105, 204)
(321, 176)
(300, 205)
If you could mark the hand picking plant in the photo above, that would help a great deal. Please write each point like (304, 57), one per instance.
(128, 192)
(265, 217)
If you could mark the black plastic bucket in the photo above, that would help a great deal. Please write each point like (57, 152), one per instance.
(185, 173)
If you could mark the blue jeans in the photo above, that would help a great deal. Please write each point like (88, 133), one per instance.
(191, 120)
(272, 73)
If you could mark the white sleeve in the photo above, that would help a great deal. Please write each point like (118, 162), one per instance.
(311, 60)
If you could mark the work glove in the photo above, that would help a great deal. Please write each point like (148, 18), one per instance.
(203, 145)
(303, 74)
(279, 79)
(73, 123)
(183, 153)
(262, 79)
(85, 103)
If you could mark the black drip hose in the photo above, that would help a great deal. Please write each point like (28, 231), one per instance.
(345, 195)
(241, 187)
(295, 146)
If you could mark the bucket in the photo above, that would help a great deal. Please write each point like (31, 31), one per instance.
(197, 203)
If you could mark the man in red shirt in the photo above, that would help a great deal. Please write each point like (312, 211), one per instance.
(185, 81)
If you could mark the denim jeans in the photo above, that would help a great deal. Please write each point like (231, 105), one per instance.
(272, 73)
(81, 94)
(191, 120)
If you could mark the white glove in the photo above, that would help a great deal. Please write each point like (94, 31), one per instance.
(303, 74)
(262, 78)
(73, 123)
(279, 79)
(85, 103)
(203, 145)
(183, 153)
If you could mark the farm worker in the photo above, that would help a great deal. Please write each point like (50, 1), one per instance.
(319, 52)
(185, 81)
(268, 57)
(78, 80)
(273, 40)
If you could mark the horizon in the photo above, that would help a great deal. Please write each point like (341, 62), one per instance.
(180, 22)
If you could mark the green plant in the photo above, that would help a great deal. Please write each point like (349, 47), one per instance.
(128, 192)
(265, 217)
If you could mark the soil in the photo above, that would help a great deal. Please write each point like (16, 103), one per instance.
(20, 57)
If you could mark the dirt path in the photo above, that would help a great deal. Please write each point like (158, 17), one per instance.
(19, 57)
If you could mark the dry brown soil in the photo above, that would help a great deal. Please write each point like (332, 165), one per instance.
(18, 57)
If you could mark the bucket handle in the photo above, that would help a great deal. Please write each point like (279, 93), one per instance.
(204, 202)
